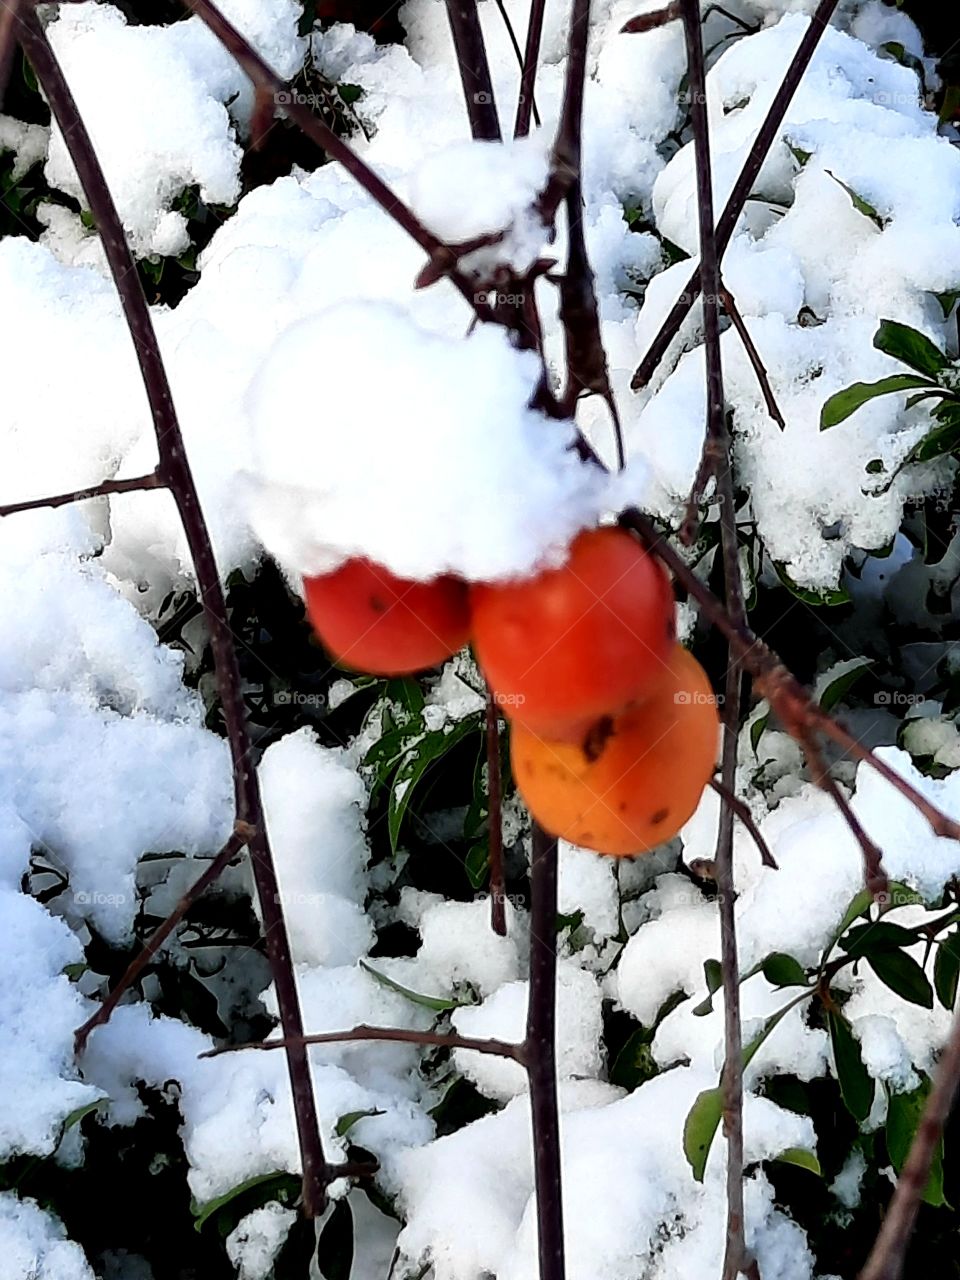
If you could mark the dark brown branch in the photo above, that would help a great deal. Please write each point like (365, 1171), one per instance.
(266, 81)
(650, 21)
(890, 1247)
(9, 21)
(440, 1039)
(133, 485)
(565, 165)
(517, 50)
(241, 834)
(541, 1054)
(175, 472)
(753, 355)
(741, 189)
(746, 817)
(874, 876)
(737, 1259)
(471, 53)
(528, 74)
(498, 887)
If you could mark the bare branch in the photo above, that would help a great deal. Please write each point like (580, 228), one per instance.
(9, 20)
(741, 189)
(241, 834)
(753, 355)
(874, 876)
(541, 1054)
(517, 50)
(133, 485)
(471, 52)
(650, 21)
(498, 888)
(175, 472)
(528, 75)
(746, 817)
(440, 1039)
(890, 1247)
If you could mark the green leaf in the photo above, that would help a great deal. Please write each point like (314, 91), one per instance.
(911, 347)
(904, 1112)
(477, 864)
(860, 205)
(439, 1004)
(829, 596)
(948, 301)
(249, 1195)
(841, 685)
(713, 976)
(335, 1246)
(781, 970)
(856, 1084)
(876, 936)
(802, 1158)
(802, 157)
(858, 202)
(634, 1065)
(411, 769)
(946, 969)
(901, 973)
(756, 731)
(702, 1122)
(346, 1122)
(843, 403)
(349, 93)
(860, 904)
(941, 440)
(900, 895)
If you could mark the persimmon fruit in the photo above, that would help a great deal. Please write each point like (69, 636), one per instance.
(373, 621)
(635, 778)
(580, 641)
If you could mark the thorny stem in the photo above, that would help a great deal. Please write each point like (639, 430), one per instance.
(541, 1054)
(736, 1260)
(439, 1039)
(889, 1250)
(471, 53)
(528, 74)
(498, 888)
(241, 834)
(741, 188)
(746, 818)
(175, 472)
(134, 485)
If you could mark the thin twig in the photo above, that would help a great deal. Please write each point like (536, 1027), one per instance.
(268, 82)
(528, 74)
(541, 1054)
(890, 1247)
(737, 1259)
(498, 887)
(753, 355)
(133, 485)
(874, 876)
(475, 78)
(440, 1039)
(519, 53)
(241, 834)
(741, 188)
(746, 817)
(175, 472)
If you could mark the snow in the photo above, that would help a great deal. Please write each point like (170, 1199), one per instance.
(33, 1243)
(417, 446)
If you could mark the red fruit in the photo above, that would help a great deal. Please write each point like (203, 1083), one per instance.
(577, 642)
(375, 622)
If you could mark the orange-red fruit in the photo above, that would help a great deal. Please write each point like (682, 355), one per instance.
(580, 641)
(373, 621)
(635, 779)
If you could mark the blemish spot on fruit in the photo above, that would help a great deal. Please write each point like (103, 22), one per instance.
(622, 806)
(659, 816)
(597, 736)
(378, 604)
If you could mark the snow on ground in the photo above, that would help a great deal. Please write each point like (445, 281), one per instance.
(319, 446)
